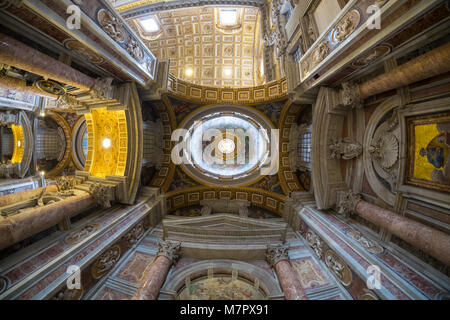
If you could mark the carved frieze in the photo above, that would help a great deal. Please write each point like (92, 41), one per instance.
(346, 27)
(105, 262)
(367, 244)
(135, 233)
(338, 267)
(111, 25)
(82, 233)
(315, 242)
(277, 253)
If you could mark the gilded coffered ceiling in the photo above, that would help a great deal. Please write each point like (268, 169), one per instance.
(205, 50)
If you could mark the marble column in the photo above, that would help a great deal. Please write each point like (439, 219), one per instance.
(157, 272)
(278, 258)
(428, 65)
(423, 237)
(33, 220)
(19, 55)
(21, 85)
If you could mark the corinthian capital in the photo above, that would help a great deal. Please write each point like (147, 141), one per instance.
(277, 253)
(350, 95)
(102, 89)
(169, 249)
(347, 201)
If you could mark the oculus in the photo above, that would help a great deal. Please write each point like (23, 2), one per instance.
(225, 146)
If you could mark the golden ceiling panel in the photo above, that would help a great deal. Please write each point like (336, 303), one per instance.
(205, 51)
(108, 138)
(19, 144)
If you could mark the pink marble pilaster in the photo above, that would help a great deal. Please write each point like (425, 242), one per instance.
(278, 258)
(154, 279)
(289, 281)
(157, 272)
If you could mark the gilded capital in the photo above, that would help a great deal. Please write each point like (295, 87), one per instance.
(277, 253)
(169, 249)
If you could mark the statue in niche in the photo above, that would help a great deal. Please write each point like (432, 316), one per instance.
(345, 149)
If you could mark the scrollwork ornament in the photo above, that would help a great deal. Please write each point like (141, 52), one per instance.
(277, 253)
(347, 201)
(169, 249)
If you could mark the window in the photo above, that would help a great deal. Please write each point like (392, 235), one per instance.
(304, 147)
(228, 17)
(297, 54)
(149, 24)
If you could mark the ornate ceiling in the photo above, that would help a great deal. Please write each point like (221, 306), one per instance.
(202, 50)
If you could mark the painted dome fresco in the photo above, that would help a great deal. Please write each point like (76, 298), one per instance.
(225, 145)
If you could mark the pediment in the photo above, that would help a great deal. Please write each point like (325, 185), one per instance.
(219, 228)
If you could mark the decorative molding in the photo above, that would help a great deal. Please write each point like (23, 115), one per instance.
(270, 92)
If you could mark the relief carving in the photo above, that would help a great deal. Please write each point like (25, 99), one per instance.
(345, 149)
(315, 243)
(135, 233)
(338, 267)
(346, 27)
(135, 50)
(320, 53)
(367, 244)
(111, 25)
(106, 262)
(384, 150)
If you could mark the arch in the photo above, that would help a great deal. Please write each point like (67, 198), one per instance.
(176, 282)
(374, 182)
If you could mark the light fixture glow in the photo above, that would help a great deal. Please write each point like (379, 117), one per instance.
(149, 24)
(226, 146)
(189, 72)
(228, 16)
(227, 72)
(42, 173)
(42, 114)
(106, 143)
(18, 143)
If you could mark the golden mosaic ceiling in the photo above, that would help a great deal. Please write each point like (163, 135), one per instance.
(203, 51)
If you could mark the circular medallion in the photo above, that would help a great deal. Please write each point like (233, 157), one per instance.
(51, 87)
